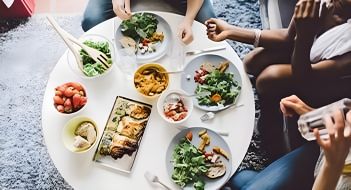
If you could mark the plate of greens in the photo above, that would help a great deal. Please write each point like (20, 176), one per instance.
(215, 79)
(198, 158)
(148, 34)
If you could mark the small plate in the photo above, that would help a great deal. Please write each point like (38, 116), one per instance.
(161, 48)
(189, 86)
(216, 140)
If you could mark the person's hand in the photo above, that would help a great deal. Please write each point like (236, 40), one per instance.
(217, 29)
(122, 9)
(337, 147)
(185, 32)
(307, 19)
(293, 105)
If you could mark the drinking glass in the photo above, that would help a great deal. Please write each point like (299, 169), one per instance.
(177, 54)
(127, 62)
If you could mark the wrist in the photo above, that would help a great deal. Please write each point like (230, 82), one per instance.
(304, 38)
(334, 168)
(188, 21)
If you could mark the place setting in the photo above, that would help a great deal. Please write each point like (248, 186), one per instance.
(171, 81)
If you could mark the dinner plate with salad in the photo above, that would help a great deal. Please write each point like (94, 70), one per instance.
(198, 158)
(215, 79)
(148, 34)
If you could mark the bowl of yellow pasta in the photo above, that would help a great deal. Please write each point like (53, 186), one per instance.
(151, 79)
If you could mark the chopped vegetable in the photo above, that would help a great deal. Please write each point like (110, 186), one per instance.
(90, 67)
(221, 86)
(68, 98)
(189, 164)
(220, 151)
(140, 25)
(189, 136)
(202, 132)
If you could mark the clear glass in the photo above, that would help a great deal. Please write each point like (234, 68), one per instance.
(176, 54)
(315, 119)
(127, 62)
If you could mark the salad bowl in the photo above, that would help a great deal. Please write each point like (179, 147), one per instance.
(90, 72)
(163, 107)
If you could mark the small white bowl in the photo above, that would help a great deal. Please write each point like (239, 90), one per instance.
(76, 112)
(68, 133)
(96, 38)
(188, 103)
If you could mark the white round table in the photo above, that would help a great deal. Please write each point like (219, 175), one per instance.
(82, 173)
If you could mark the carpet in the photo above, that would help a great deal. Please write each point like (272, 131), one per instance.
(29, 49)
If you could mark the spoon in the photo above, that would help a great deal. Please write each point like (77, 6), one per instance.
(154, 179)
(175, 97)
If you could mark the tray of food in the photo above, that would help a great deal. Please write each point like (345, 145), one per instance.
(198, 158)
(147, 33)
(216, 78)
(122, 135)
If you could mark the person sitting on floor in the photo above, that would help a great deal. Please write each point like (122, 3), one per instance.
(311, 58)
(98, 11)
(295, 169)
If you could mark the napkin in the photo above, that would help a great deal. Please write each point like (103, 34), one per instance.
(8, 3)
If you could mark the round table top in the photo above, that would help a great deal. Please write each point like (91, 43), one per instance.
(82, 173)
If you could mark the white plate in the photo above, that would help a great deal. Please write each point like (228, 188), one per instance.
(189, 86)
(161, 48)
(216, 140)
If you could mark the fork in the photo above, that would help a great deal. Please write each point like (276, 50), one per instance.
(210, 115)
(154, 179)
(95, 54)
(189, 53)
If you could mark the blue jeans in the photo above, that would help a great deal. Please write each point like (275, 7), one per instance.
(98, 11)
(293, 171)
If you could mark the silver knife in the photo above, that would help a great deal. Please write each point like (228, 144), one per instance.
(205, 50)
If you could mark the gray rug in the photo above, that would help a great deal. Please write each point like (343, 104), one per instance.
(28, 53)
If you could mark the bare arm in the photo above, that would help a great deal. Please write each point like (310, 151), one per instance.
(193, 8)
(185, 32)
(327, 178)
(307, 26)
(336, 149)
(219, 30)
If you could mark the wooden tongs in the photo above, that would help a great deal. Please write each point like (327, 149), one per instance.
(95, 54)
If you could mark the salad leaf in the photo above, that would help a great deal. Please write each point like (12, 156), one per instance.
(140, 25)
(199, 185)
(219, 83)
(189, 164)
(90, 67)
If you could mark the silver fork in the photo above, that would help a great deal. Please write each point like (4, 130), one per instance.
(189, 53)
(154, 179)
(95, 54)
(210, 115)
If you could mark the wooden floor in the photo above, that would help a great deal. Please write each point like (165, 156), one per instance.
(60, 6)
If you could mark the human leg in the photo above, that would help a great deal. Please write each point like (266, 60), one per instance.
(292, 171)
(260, 58)
(206, 11)
(241, 178)
(96, 12)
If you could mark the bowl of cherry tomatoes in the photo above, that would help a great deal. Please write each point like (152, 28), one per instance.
(70, 98)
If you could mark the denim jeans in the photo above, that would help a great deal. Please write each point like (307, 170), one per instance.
(294, 171)
(98, 11)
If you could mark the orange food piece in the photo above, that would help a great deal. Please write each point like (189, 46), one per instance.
(189, 136)
(216, 98)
